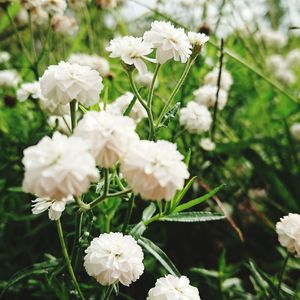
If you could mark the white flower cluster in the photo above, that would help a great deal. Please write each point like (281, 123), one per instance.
(65, 25)
(288, 230)
(9, 78)
(171, 288)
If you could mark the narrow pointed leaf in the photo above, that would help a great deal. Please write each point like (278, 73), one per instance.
(193, 216)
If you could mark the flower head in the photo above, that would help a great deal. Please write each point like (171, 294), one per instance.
(131, 50)
(170, 42)
(65, 82)
(114, 257)
(154, 170)
(207, 144)
(4, 57)
(58, 167)
(173, 288)
(288, 230)
(108, 135)
(206, 95)
(195, 118)
(295, 131)
(226, 82)
(65, 25)
(9, 78)
(55, 7)
(119, 106)
(197, 40)
(29, 89)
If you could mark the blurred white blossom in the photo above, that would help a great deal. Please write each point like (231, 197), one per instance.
(9, 78)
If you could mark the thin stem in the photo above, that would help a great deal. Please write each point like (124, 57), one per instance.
(83, 206)
(108, 292)
(67, 259)
(78, 222)
(73, 114)
(176, 89)
(281, 276)
(218, 89)
(151, 91)
(139, 97)
(128, 213)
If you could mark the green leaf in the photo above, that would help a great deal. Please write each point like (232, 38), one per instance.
(171, 114)
(138, 230)
(130, 106)
(193, 216)
(149, 212)
(205, 272)
(199, 200)
(160, 255)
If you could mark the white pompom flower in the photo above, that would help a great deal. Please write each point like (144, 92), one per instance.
(9, 78)
(197, 39)
(295, 131)
(58, 167)
(131, 50)
(173, 288)
(154, 170)
(288, 230)
(65, 82)
(207, 144)
(4, 57)
(226, 82)
(55, 7)
(114, 257)
(170, 42)
(54, 207)
(206, 95)
(29, 90)
(65, 25)
(195, 118)
(96, 62)
(119, 106)
(108, 135)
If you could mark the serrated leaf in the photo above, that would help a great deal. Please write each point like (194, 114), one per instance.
(193, 216)
(160, 255)
(171, 114)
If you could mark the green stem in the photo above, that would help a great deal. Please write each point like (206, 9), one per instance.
(67, 259)
(73, 114)
(108, 292)
(128, 213)
(83, 206)
(281, 276)
(176, 89)
(139, 97)
(151, 91)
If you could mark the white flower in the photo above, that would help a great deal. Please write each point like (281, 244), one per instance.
(77, 4)
(131, 50)
(107, 3)
(65, 82)
(108, 136)
(195, 118)
(119, 106)
(295, 131)
(4, 57)
(54, 207)
(286, 76)
(96, 62)
(114, 257)
(58, 167)
(9, 78)
(65, 25)
(207, 144)
(197, 39)
(173, 288)
(170, 42)
(288, 230)
(226, 82)
(272, 38)
(38, 14)
(293, 58)
(206, 95)
(275, 62)
(55, 7)
(22, 17)
(29, 89)
(61, 123)
(54, 108)
(146, 79)
(154, 170)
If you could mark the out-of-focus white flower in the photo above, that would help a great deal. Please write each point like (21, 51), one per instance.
(171, 288)
(39, 16)
(65, 25)
(288, 230)
(77, 4)
(295, 131)
(106, 3)
(286, 76)
(108, 135)
(58, 167)
(191, 3)
(146, 79)
(65, 82)
(29, 89)
(154, 170)
(226, 82)
(197, 39)
(170, 42)
(207, 144)
(206, 95)
(61, 123)
(275, 62)
(54, 108)
(293, 58)
(119, 106)
(96, 62)
(195, 118)
(54, 207)
(114, 257)
(131, 50)
(4, 57)
(22, 18)
(55, 7)
(271, 38)
(9, 78)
